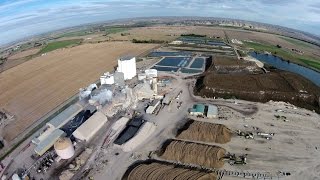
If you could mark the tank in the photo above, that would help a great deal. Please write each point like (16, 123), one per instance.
(64, 148)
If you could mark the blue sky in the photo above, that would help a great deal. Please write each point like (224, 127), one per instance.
(22, 18)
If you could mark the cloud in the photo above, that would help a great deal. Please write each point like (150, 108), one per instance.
(29, 17)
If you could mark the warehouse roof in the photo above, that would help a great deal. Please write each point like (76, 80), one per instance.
(198, 108)
(89, 128)
(212, 110)
(65, 116)
(47, 143)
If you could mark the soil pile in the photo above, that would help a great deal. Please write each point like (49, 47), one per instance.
(194, 153)
(156, 171)
(205, 132)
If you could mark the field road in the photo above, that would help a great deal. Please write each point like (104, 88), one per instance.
(32, 89)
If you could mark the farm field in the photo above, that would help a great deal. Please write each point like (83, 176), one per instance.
(23, 54)
(59, 44)
(32, 89)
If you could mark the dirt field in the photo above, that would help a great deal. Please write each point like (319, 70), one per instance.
(311, 50)
(294, 148)
(32, 89)
(24, 54)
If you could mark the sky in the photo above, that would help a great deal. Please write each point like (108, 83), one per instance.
(23, 18)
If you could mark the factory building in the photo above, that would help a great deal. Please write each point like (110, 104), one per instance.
(64, 148)
(89, 128)
(153, 106)
(118, 78)
(47, 143)
(59, 121)
(212, 111)
(107, 78)
(197, 110)
(127, 65)
(151, 73)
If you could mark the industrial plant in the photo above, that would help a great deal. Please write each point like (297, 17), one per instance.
(145, 120)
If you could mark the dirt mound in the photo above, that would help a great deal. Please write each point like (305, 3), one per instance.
(157, 170)
(205, 132)
(194, 153)
(276, 86)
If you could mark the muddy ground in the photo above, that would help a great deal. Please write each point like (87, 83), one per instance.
(229, 80)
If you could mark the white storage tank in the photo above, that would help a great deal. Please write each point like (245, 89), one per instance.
(151, 73)
(64, 148)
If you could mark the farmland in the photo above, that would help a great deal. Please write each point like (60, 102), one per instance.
(32, 89)
(59, 44)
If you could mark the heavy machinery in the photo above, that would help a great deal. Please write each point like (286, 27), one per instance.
(236, 160)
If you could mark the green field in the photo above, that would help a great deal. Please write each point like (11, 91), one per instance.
(77, 33)
(297, 42)
(113, 30)
(59, 44)
(284, 54)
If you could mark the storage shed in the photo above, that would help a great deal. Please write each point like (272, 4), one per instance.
(47, 143)
(212, 111)
(197, 109)
(89, 128)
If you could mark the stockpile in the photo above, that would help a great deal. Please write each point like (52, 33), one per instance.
(205, 132)
(194, 153)
(157, 170)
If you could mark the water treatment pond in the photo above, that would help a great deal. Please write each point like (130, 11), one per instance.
(197, 63)
(279, 63)
(175, 61)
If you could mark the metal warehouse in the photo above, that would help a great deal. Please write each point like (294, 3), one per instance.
(212, 111)
(89, 128)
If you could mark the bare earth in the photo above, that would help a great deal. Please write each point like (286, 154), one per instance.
(24, 53)
(32, 89)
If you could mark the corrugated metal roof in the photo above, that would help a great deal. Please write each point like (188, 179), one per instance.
(199, 108)
(47, 143)
(62, 118)
(212, 110)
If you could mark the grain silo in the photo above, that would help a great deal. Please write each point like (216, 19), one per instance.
(64, 148)
(127, 65)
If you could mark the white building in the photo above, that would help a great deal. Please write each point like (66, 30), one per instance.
(212, 111)
(151, 73)
(107, 78)
(127, 65)
(89, 128)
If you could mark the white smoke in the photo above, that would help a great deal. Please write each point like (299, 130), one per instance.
(103, 96)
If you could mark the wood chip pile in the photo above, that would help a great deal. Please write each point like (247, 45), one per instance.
(205, 132)
(161, 171)
(194, 153)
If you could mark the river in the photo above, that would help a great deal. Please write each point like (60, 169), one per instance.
(279, 63)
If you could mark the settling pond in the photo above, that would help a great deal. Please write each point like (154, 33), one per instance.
(279, 63)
